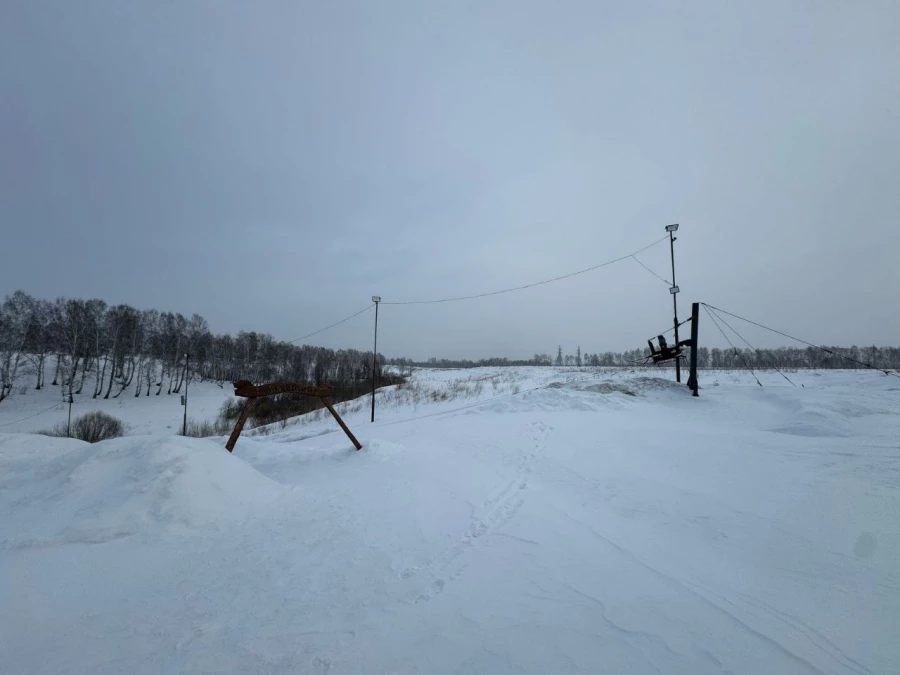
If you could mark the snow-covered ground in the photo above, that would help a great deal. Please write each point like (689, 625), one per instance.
(28, 410)
(496, 521)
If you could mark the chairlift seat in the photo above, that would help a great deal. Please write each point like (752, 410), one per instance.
(667, 355)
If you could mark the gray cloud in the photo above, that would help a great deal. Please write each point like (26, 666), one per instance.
(272, 165)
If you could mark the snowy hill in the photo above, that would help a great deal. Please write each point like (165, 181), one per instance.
(496, 521)
(29, 410)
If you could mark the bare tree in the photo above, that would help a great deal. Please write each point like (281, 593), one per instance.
(15, 318)
(40, 338)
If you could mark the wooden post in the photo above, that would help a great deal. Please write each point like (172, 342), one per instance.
(346, 429)
(693, 383)
(239, 426)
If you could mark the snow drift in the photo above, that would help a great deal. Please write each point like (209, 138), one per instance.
(68, 491)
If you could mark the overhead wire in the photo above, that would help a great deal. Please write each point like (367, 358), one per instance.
(736, 351)
(524, 286)
(9, 424)
(663, 279)
(336, 323)
(809, 344)
(672, 329)
(759, 353)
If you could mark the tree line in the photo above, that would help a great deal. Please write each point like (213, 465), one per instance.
(144, 352)
(790, 358)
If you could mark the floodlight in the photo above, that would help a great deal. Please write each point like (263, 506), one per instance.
(672, 228)
(674, 290)
(376, 298)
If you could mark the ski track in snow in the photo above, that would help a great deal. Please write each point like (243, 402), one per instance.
(814, 636)
(719, 608)
(495, 512)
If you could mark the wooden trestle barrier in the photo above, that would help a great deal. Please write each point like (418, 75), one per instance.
(250, 391)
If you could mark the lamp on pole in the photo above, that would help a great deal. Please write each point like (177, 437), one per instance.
(672, 229)
(376, 299)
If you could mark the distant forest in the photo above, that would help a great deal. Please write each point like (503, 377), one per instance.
(790, 358)
(142, 352)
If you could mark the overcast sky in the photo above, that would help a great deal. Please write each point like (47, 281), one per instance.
(272, 165)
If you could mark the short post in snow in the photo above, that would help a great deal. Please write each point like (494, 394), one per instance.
(693, 383)
(187, 358)
(69, 424)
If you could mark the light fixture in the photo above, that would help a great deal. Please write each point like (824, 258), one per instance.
(376, 298)
(672, 228)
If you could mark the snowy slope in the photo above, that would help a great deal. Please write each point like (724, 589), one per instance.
(27, 410)
(556, 522)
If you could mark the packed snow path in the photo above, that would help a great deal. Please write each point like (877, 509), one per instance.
(587, 527)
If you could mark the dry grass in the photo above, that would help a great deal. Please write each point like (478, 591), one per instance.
(203, 429)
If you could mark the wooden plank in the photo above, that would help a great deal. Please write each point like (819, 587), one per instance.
(239, 425)
(247, 389)
(346, 429)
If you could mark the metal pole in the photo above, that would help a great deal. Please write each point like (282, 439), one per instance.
(187, 359)
(376, 299)
(675, 304)
(695, 333)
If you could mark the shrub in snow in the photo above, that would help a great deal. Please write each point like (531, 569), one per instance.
(93, 427)
(97, 426)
